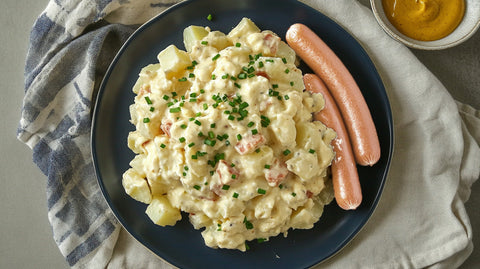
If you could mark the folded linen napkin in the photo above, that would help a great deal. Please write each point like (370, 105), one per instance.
(420, 220)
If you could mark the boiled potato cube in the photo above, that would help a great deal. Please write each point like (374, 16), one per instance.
(136, 186)
(172, 60)
(161, 212)
(284, 51)
(244, 28)
(305, 216)
(192, 34)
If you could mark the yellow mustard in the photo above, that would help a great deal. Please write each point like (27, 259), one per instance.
(425, 20)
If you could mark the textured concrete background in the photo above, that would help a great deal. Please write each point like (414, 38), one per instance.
(26, 237)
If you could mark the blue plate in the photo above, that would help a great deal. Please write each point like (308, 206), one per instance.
(181, 245)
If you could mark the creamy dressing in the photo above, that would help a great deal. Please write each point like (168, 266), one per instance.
(231, 141)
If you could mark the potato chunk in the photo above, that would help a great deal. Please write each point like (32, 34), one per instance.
(172, 60)
(161, 212)
(136, 186)
(192, 34)
(243, 29)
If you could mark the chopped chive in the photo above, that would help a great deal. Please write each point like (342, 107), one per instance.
(148, 100)
(175, 110)
(209, 17)
(261, 191)
(265, 121)
(247, 247)
(174, 94)
(225, 187)
(280, 186)
(230, 117)
(287, 71)
(202, 91)
(169, 104)
(254, 131)
(152, 109)
(269, 61)
(216, 57)
(209, 142)
(248, 224)
(243, 105)
(182, 79)
(211, 135)
(260, 64)
(183, 126)
(250, 124)
(286, 152)
(163, 146)
(219, 137)
(267, 166)
(185, 168)
(165, 97)
(225, 76)
(227, 143)
(205, 106)
(200, 134)
(197, 187)
(239, 137)
(237, 85)
(234, 176)
(294, 194)
(251, 69)
(194, 156)
(284, 60)
(219, 156)
(198, 114)
(181, 139)
(257, 150)
(204, 43)
(197, 122)
(242, 76)
(292, 83)
(146, 120)
(232, 165)
(212, 172)
(274, 86)
(235, 195)
(191, 145)
(214, 77)
(233, 78)
(238, 45)
(286, 97)
(212, 125)
(311, 151)
(184, 174)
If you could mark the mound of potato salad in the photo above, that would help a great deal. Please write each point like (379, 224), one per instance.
(224, 132)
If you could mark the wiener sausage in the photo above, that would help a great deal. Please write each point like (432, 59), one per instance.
(354, 110)
(346, 184)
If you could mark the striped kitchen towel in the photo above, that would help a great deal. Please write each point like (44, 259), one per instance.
(71, 45)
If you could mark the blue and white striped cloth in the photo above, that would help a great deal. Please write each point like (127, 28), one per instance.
(71, 45)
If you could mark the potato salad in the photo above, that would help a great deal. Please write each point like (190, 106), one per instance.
(224, 133)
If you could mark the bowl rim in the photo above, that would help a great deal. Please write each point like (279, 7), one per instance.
(417, 44)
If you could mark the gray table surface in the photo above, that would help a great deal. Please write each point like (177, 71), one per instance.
(26, 236)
